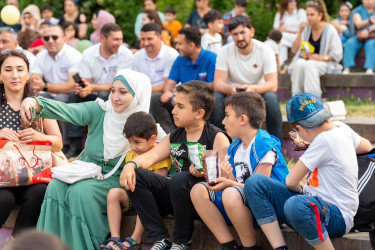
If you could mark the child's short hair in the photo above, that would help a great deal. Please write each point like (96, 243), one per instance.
(140, 124)
(46, 7)
(201, 96)
(212, 16)
(171, 10)
(275, 35)
(250, 104)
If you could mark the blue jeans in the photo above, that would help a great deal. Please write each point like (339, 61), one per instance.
(274, 119)
(353, 46)
(271, 201)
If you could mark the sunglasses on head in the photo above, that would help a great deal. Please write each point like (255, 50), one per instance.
(6, 51)
(237, 19)
(6, 29)
(54, 37)
(312, 3)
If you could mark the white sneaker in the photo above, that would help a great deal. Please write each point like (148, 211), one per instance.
(346, 71)
(369, 71)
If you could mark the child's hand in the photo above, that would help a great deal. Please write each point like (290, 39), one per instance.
(226, 168)
(220, 184)
(127, 177)
(194, 172)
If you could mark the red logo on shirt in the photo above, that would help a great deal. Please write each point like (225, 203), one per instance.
(255, 66)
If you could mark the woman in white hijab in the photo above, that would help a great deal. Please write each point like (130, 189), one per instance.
(77, 212)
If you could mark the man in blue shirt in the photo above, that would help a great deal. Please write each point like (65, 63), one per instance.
(194, 63)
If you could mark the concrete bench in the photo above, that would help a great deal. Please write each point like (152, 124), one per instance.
(204, 239)
(359, 85)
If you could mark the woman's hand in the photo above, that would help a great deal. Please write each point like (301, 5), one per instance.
(127, 177)
(8, 134)
(194, 172)
(26, 110)
(226, 168)
(29, 135)
(302, 26)
(220, 184)
(315, 57)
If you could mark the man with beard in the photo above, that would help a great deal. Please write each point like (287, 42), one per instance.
(155, 59)
(247, 65)
(194, 63)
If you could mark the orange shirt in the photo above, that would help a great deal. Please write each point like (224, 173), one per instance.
(174, 27)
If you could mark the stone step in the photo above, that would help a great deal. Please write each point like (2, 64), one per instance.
(204, 239)
(359, 85)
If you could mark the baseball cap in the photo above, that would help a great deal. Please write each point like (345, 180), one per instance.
(306, 110)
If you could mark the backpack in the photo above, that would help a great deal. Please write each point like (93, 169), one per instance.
(364, 220)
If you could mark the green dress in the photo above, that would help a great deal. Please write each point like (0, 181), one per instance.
(77, 213)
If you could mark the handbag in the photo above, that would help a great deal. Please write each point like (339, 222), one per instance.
(24, 164)
(80, 170)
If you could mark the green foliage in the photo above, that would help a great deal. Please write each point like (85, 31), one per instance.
(262, 12)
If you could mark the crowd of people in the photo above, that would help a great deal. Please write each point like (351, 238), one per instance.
(208, 83)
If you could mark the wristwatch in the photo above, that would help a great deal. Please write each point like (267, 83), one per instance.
(45, 88)
(326, 58)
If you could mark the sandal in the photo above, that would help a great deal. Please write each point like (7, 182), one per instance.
(133, 244)
(116, 241)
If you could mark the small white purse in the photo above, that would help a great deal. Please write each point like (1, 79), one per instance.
(81, 170)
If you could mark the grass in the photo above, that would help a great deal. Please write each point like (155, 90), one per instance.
(354, 107)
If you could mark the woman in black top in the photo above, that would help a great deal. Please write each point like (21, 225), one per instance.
(72, 15)
(14, 87)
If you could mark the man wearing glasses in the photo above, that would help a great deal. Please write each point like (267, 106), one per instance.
(247, 65)
(54, 68)
(8, 40)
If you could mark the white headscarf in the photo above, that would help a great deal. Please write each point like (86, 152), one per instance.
(139, 86)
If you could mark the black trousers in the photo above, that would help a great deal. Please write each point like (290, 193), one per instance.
(155, 196)
(29, 197)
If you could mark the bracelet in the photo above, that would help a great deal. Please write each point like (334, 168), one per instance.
(136, 166)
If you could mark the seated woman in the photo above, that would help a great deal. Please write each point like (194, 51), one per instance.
(364, 22)
(288, 20)
(342, 23)
(319, 51)
(72, 14)
(14, 87)
(30, 21)
(97, 21)
(77, 212)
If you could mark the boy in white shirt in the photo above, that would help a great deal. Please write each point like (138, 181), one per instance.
(212, 39)
(253, 152)
(325, 207)
(273, 41)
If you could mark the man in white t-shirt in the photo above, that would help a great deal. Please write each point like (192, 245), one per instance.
(326, 206)
(102, 61)
(8, 40)
(53, 70)
(155, 59)
(247, 65)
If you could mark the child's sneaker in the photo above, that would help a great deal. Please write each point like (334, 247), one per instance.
(180, 247)
(162, 245)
